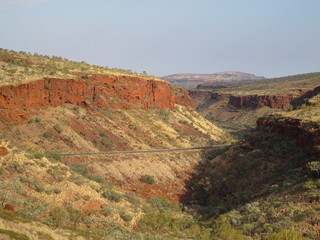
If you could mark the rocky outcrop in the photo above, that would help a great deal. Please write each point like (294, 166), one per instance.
(305, 96)
(256, 101)
(18, 102)
(306, 134)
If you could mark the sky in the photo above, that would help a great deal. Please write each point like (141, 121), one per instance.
(269, 38)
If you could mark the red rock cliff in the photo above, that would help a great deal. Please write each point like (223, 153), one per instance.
(17, 102)
(256, 101)
(307, 134)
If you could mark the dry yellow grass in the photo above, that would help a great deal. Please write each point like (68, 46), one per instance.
(20, 67)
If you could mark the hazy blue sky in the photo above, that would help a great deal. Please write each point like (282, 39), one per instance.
(264, 37)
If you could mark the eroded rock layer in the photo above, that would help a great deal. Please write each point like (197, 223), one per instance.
(18, 102)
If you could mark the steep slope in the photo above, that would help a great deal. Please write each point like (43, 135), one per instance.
(43, 198)
(191, 81)
(260, 187)
(95, 197)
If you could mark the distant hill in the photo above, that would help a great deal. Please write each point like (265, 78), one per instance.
(190, 80)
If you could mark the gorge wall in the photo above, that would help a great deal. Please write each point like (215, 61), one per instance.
(256, 101)
(18, 102)
(306, 134)
(249, 101)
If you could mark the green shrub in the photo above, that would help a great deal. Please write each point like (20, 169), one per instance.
(79, 168)
(16, 166)
(57, 172)
(58, 128)
(148, 179)
(106, 114)
(37, 120)
(222, 229)
(96, 178)
(155, 222)
(47, 134)
(286, 235)
(1, 171)
(37, 155)
(47, 86)
(34, 184)
(54, 156)
(106, 211)
(56, 190)
(112, 195)
(106, 141)
(125, 217)
(58, 217)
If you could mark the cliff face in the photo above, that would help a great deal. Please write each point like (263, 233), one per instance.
(307, 134)
(304, 98)
(256, 101)
(18, 102)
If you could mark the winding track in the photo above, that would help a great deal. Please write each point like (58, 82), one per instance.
(144, 151)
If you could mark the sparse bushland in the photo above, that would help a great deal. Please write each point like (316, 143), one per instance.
(274, 86)
(305, 112)
(261, 187)
(274, 195)
(35, 200)
(21, 67)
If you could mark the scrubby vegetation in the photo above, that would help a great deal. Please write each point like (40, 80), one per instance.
(21, 67)
(260, 187)
(265, 187)
(274, 86)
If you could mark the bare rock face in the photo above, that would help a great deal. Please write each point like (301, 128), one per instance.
(307, 134)
(256, 101)
(18, 102)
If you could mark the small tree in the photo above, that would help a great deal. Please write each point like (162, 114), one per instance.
(58, 216)
(75, 216)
